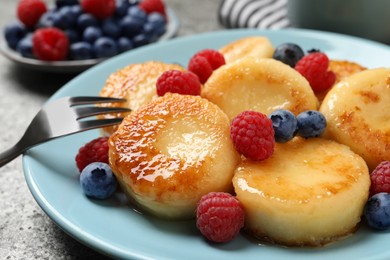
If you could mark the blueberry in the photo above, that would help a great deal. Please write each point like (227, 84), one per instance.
(25, 47)
(13, 33)
(288, 53)
(64, 18)
(91, 34)
(73, 35)
(105, 47)
(121, 8)
(130, 26)
(81, 51)
(377, 211)
(61, 3)
(76, 10)
(85, 20)
(124, 44)
(311, 123)
(155, 25)
(285, 125)
(46, 20)
(98, 181)
(111, 28)
(137, 13)
(140, 40)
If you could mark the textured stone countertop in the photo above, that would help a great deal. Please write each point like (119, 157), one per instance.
(26, 232)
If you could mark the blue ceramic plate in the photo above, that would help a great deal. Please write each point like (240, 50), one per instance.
(113, 228)
(75, 66)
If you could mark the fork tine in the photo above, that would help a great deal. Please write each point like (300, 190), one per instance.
(93, 111)
(92, 124)
(85, 100)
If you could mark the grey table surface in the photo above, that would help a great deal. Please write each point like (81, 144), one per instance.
(26, 232)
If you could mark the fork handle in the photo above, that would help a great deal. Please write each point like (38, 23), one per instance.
(10, 154)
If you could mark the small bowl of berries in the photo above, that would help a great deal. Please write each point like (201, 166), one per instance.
(73, 35)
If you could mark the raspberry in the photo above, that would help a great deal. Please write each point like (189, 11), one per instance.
(314, 67)
(176, 81)
(380, 178)
(94, 151)
(204, 62)
(253, 135)
(29, 11)
(150, 6)
(50, 44)
(219, 216)
(99, 8)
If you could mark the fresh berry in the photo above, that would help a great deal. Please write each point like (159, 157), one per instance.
(124, 44)
(91, 34)
(253, 135)
(204, 62)
(81, 51)
(380, 178)
(219, 216)
(130, 26)
(140, 39)
(175, 81)
(288, 53)
(105, 47)
(29, 11)
(285, 125)
(94, 151)
(86, 20)
(111, 28)
(98, 181)
(377, 211)
(25, 47)
(157, 24)
(311, 123)
(137, 13)
(150, 6)
(50, 44)
(314, 67)
(99, 8)
(72, 35)
(13, 33)
(65, 18)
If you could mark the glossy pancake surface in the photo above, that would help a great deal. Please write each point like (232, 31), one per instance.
(308, 193)
(262, 85)
(136, 83)
(357, 112)
(172, 151)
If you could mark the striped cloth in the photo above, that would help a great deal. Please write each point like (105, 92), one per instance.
(264, 14)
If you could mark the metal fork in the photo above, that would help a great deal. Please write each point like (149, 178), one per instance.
(60, 118)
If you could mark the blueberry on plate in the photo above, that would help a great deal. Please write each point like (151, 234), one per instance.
(285, 125)
(105, 47)
(97, 181)
(85, 20)
(111, 28)
(137, 13)
(288, 53)
(130, 26)
(91, 34)
(377, 211)
(311, 123)
(124, 44)
(25, 47)
(13, 33)
(80, 51)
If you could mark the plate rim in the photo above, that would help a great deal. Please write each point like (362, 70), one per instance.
(88, 240)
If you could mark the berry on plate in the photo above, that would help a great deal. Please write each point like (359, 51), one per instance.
(380, 178)
(99, 8)
(311, 123)
(288, 53)
(285, 125)
(253, 135)
(98, 181)
(50, 44)
(105, 47)
(150, 6)
(377, 211)
(315, 68)
(219, 216)
(13, 33)
(204, 62)
(30, 11)
(176, 81)
(93, 151)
